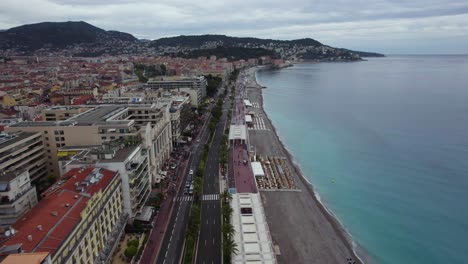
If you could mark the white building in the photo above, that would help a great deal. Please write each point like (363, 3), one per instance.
(17, 196)
(132, 163)
(195, 86)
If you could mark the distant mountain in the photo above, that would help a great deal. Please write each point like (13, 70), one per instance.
(81, 39)
(203, 41)
(57, 35)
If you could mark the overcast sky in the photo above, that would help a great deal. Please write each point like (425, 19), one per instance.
(392, 26)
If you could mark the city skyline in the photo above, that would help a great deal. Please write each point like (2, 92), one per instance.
(390, 27)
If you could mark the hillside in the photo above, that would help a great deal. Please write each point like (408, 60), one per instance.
(58, 35)
(242, 48)
(231, 53)
(210, 41)
(81, 39)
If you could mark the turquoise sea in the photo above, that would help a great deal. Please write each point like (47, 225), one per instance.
(392, 133)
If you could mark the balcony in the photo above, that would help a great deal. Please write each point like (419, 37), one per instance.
(112, 240)
(6, 201)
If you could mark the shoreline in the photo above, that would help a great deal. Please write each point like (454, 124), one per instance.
(338, 227)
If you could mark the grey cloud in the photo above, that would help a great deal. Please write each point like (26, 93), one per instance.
(354, 23)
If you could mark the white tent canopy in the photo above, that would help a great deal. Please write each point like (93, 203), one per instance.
(248, 118)
(237, 132)
(247, 103)
(257, 169)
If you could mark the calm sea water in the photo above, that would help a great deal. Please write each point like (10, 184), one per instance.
(392, 133)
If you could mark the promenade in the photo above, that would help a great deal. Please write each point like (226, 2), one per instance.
(243, 175)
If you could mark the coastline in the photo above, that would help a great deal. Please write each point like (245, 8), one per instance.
(313, 196)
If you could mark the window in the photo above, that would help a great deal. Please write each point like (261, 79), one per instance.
(57, 139)
(58, 145)
(45, 132)
(46, 138)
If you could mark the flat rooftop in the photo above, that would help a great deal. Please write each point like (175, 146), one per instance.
(252, 234)
(27, 258)
(7, 139)
(99, 113)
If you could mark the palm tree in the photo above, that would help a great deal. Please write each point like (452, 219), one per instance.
(226, 196)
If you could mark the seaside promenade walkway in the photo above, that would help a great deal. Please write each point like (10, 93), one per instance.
(243, 175)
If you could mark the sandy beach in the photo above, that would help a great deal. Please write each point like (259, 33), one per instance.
(302, 229)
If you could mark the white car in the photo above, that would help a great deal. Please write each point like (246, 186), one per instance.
(191, 172)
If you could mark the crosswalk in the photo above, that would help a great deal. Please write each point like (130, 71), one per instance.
(210, 197)
(256, 105)
(205, 197)
(258, 124)
(185, 198)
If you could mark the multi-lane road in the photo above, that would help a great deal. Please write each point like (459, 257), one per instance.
(209, 240)
(172, 246)
(209, 247)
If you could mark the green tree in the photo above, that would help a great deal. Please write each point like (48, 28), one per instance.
(131, 251)
(163, 69)
(133, 242)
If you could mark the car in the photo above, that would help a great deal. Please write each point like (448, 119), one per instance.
(190, 172)
(198, 140)
(173, 166)
(191, 189)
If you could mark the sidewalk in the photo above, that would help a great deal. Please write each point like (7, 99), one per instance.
(161, 221)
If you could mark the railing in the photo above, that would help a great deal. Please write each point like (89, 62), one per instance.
(5, 201)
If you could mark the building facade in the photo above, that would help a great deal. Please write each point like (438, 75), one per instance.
(23, 151)
(132, 163)
(79, 220)
(195, 86)
(105, 123)
(17, 196)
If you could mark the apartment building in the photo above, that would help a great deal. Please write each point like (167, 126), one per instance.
(194, 86)
(181, 115)
(130, 159)
(62, 113)
(80, 219)
(104, 123)
(17, 196)
(23, 151)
